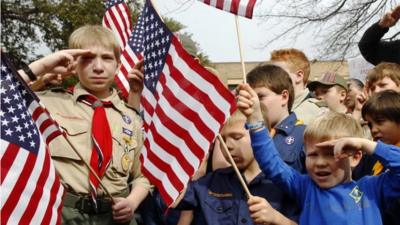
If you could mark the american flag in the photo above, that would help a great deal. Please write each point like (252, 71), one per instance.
(184, 108)
(118, 18)
(237, 7)
(31, 192)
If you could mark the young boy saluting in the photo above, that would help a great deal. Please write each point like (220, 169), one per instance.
(327, 194)
(100, 125)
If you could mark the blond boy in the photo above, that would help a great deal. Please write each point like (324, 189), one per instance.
(383, 76)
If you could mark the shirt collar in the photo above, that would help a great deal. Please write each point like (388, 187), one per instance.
(288, 124)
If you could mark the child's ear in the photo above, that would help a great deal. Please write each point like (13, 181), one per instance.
(285, 96)
(343, 95)
(299, 76)
(355, 159)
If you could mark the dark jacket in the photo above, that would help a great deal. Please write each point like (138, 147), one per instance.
(374, 50)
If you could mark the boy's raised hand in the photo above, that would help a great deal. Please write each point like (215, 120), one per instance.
(390, 18)
(248, 103)
(136, 77)
(345, 147)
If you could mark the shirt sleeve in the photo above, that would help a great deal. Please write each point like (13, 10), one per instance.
(389, 156)
(273, 166)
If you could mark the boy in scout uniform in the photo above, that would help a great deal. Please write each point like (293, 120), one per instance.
(104, 129)
(296, 63)
(275, 90)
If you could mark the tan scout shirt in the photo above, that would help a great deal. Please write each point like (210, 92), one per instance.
(307, 109)
(76, 118)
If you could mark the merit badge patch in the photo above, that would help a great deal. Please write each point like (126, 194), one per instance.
(289, 140)
(126, 119)
(356, 194)
(127, 132)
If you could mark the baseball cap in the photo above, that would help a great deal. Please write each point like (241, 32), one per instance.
(328, 79)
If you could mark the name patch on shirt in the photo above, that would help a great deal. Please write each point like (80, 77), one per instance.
(220, 195)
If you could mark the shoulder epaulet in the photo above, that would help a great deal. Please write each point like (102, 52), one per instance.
(60, 90)
(130, 107)
(299, 122)
(317, 102)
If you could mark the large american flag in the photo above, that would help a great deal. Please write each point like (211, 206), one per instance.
(237, 7)
(117, 17)
(31, 192)
(184, 108)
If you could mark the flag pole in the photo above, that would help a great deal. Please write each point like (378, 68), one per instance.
(239, 37)
(232, 162)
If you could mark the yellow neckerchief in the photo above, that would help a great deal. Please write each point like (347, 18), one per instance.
(378, 167)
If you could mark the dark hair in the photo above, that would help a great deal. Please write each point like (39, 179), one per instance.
(383, 105)
(274, 78)
(356, 82)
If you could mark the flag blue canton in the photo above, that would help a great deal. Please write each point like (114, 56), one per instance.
(112, 3)
(17, 125)
(156, 40)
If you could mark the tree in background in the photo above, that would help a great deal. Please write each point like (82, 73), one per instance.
(336, 25)
(28, 25)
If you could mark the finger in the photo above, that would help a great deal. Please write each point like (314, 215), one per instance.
(396, 13)
(78, 52)
(139, 66)
(326, 144)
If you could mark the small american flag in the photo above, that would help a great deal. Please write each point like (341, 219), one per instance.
(31, 192)
(184, 108)
(118, 18)
(237, 7)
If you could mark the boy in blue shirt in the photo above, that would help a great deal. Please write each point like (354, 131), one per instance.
(219, 198)
(274, 88)
(327, 194)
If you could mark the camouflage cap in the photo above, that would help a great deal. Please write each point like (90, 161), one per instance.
(328, 79)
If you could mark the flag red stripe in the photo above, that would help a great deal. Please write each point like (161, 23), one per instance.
(118, 27)
(196, 93)
(121, 86)
(164, 193)
(180, 132)
(250, 7)
(147, 106)
(172, 150)
(47, 215)
(220, 4)
(37, 112)
(129, 19)
(37, 193)
(125, 27)
(205, 74)
(15, 194)
(186, 111)
(52, 136)
(166, 168)
(235, 6)
(8, 159)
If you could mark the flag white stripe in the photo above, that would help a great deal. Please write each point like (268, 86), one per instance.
(57, 203)
(201, 84)
(160, 175)
(213, 3)
(120, 23)
(190, 102)
(175, 140)
(227, 6)
(113, 27)
(3, 146)
(14, 172)
(38, 217)
(167, 158)
(183, 122)
(243, 7)
(30, 186)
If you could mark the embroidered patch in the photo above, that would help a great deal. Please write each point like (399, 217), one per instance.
(126, 119)
(127, 132)
(356, 194)
(289, 140)
(220, 195)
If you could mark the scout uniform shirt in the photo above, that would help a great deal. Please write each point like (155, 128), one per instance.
(307, 108)
(75, 118)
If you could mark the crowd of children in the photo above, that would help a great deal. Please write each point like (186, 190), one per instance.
(296, 144)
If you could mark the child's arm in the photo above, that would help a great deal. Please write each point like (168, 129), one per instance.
(263, 213)
(345, 147)
(263, 146)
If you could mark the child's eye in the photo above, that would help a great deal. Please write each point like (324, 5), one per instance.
(237, 137)
(312, 154)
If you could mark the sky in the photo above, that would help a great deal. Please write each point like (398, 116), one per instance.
(215, 31)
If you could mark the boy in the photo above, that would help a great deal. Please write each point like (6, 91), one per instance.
(275, 90)
(327, 194)
(383, 76)
(382, 112)
(219, 198)
(296, 64)
(332, 89)
(86, 113)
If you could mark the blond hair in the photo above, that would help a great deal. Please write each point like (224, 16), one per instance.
(237, 116)
(296, 60)
(382, 70)
(332, 125)
(94, 35)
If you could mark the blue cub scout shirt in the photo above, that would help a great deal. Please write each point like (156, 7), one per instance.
(218, 198)
(288, 140)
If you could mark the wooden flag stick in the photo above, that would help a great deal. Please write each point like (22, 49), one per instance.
(238, 34)
(242, 182)
(91, 170)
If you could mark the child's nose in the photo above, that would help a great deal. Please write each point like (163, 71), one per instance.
(98, 64)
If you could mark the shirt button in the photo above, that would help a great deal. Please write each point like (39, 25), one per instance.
(219, 209)
(244, 220)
